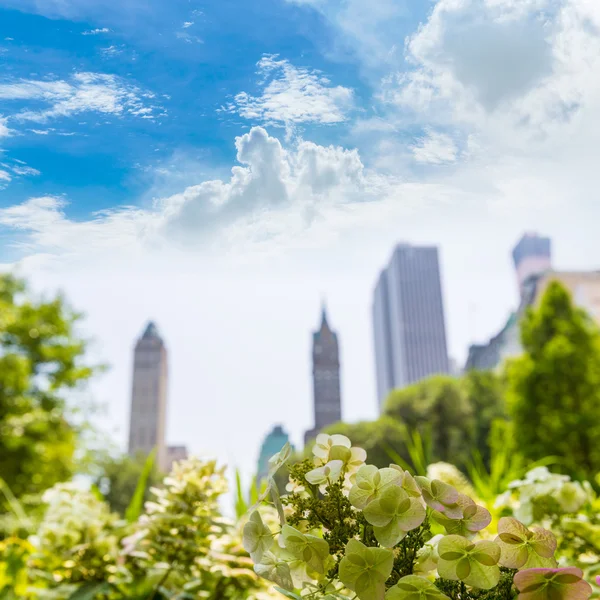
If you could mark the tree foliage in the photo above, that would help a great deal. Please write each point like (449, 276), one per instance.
(376, 437)
(554, 387)
(119, 478)
(439, 409)
(41, 359)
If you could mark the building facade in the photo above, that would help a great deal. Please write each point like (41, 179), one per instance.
(271, 445)
(174, 454)
(149, 397)
(327, 397)
(408, 320)
(532, 256)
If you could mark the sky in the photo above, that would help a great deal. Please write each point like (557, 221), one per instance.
(223, 168)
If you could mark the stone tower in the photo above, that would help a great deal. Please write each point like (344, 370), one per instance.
(149, 396)
(326, 378)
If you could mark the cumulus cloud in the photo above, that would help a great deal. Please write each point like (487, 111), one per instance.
(273, 197)
(529, 66)
(291, 96)
(84, 92)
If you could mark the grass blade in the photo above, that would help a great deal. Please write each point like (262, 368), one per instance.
(134, 510)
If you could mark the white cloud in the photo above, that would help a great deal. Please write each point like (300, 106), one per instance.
(292, 96)
(111, 51)
(187, 24)
(435, 148)
(5, 175)
(4, 130)
(276, 198)
(25, 170)
(96, 31)
(84, 92)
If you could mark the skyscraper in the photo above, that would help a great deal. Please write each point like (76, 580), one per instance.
(326, 378)
(532, 256)
(408, 320)
(271, 445)
(149, 397)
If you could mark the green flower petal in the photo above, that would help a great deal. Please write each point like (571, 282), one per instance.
(257, 537)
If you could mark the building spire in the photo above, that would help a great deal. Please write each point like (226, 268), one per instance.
(324, 322)
(151, 331)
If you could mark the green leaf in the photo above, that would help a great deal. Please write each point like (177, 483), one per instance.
(89, 591)
(134, 510)
(413, 587)
(287, 593)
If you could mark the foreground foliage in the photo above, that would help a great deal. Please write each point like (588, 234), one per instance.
(348, 529)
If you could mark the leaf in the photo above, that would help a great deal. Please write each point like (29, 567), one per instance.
(287, 593)
(134, 510)
(89, 591)
(413, 587)
(278, 460)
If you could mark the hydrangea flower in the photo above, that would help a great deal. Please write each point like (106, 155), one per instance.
(524, 549)
(371, 482)
(440, 496)
(474, 563)
(275, 570)
(328, 473)
(552, 584)
(474, 517)
(257, 537)
(313, 550)
(365, 570)
(338, 447)
(393, 515)
(427, 556)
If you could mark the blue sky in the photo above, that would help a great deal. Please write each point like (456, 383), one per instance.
(221, 167)
(182, 61)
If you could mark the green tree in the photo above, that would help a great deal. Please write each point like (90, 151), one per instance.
(41, 359)
(376, 437)
(554, 387)
(439, 409)
(486, 395)
(119, 478)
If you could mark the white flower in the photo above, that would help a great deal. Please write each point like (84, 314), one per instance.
(328, 473)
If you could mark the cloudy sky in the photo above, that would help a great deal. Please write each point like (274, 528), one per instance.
(221, 167)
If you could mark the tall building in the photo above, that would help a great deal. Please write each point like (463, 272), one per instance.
(408, 320)
(149, 397)
(271, 445)
(326, 378)
(174, 454)
(531, 256)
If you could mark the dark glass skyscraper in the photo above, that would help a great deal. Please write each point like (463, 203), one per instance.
(326, 378)
(408, 320)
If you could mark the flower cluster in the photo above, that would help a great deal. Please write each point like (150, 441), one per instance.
(350, 529)
(77, 540)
